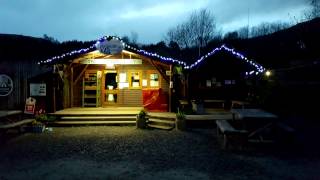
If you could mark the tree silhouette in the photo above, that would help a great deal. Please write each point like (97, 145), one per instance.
(197, 31)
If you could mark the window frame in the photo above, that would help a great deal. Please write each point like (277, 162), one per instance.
(149, 79)
(140, 79)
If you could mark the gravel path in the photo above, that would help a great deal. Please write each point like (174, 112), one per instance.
(129, 153)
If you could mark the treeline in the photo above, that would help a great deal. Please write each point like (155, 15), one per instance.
(25, 48)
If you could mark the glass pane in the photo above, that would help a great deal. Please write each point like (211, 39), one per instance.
(111, 81)
(123, 77)
(154, 80)
(135, 80)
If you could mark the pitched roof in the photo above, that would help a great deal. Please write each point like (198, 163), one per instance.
(257, 68)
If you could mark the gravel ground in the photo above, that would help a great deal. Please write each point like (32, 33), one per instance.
(129, 153)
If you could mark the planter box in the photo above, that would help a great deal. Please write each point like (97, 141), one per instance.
(141, 122)
(35, 128)
(181, 124)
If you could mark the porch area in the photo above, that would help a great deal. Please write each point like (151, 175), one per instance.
(105, 116)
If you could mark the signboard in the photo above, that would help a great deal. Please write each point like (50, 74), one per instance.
(113, 46)
(144, 82)
(111, 61)
(38, 89)
(168, 73)
(30, 106)
(171, 84)
(123, 85)
(6, 85)
(208, 83)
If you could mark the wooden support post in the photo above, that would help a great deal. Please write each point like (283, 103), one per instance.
(54, 90)
(71, 88)
(187, 85)
(66, 90)
(54, 99)
(170, 89)
(80, 75)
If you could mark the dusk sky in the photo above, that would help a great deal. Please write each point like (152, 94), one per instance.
(89, 20)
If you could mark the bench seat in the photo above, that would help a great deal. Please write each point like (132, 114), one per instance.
(15, 124)
(230, 133)
(18, 124)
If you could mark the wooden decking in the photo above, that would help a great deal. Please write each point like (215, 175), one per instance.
(98, 111)
(213, 114)
(125, 115)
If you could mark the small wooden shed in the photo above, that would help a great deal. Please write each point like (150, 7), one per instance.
(125, 78)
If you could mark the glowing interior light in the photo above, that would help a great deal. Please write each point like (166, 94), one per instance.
(268, 73)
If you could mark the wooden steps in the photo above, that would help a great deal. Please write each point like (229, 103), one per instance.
(98, 118)
(161, 122)
(94, 119)
(160, 127)
(112, 116)
(71, 123)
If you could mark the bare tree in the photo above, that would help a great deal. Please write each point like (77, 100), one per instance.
(134, 37)
(267, 28)
(198, 30)
(180, 34)
(125, 39)
(315, 8)
(231, 35)
(50, 38)
(243, 33)
(203, 25)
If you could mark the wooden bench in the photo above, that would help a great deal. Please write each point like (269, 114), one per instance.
(209, 117)
(10, 119)
(285, 127)
(17, 124)
(285, 133)
(183, 103)
(217, 102)
(237, 104)
(231, 134)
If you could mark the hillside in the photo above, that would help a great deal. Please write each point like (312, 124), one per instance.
(293, 46)
(25, 48)
(290, 47)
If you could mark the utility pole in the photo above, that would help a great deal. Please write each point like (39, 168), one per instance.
(248, 31)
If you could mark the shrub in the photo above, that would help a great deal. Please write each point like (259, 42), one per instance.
(181, 115)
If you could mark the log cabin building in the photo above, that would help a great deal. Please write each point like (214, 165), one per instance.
(113, 74)
(109, 74)
(223, 75)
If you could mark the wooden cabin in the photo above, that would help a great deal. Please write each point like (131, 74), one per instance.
(124, 79)
(15, 79)
(222, 76)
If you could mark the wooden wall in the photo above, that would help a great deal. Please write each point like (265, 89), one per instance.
(20, 72)
(126, 97)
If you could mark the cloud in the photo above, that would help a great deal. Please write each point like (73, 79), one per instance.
(167, 9)
(87, 20)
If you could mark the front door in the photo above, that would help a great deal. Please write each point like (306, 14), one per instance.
(110, 89)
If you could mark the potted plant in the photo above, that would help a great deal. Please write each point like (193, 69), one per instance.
(40, 122)
(44, 118)
(141, 120)
(181, 121)
(37, 127)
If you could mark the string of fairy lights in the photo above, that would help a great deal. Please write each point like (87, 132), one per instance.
(258, 69)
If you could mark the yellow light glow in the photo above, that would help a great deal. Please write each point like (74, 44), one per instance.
(268, 73)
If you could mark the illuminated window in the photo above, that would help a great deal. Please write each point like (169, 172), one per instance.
(123, 77)
(135, 80)
(154, 80)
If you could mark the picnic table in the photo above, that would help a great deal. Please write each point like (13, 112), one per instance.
(255, 121)
(252, 113)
